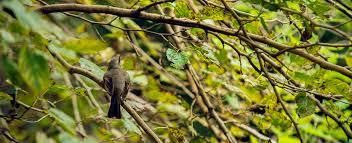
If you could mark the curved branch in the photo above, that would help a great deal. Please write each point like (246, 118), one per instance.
(151, 5)
(278, 96)
(344, 11)
(189, 23)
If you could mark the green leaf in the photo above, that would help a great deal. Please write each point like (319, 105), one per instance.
(31, 20)
(80, 91)
(41, 137)
(11, 71)
(332, 107)
(200, 33)
(90, 66)
(302, 76)
(176, 135)
(214, 13)
(27, 18)
(67, 138)
(287, 139)
(85, 45)
(182, 10)
(90, 139)
(67, 54)
(215, 68)
(129, 63)
(233, 101)
(5, 96)
(336, 86)
(319, 8)
(271, 6)
(221, 55)
(34, 70)
(279, 119)
(173, 108)
(130, 126)
(178, 59)
(159, 96)
(7, 37)
(206, 54)
(306, 106)
(297, 60)
(60, 89)
(64, 120)
(202, 130)
(310, 129)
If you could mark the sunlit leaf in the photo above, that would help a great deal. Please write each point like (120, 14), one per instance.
(6, 37)
(216, 69)
(306, 106)
(68, 138)
(60, 89)
(90, 66)
(129, 63)
(336, 86)
(90, 139)
(279, 119)
(80, 91)
(182, 10)
(233, 101)
(176, 135)
(131, 126)
(85, 45)
(11, 71)
(32, 20)
(34, 70)
(178, 59)
(64, 120)
(173, 108)
(41, 137)
(67, 54)
(319, 8)
(206, 54)
(5, 96)
(214, 13)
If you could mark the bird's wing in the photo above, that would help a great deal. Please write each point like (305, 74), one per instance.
(108, 85)
(126, 88)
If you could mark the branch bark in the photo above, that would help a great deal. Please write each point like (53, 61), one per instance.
(189, 23)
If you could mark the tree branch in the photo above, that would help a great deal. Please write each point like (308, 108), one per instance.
(130, 110)
(189, 23)
(279, 98)
(151, 5)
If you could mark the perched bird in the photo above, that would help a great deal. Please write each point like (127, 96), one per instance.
(117, 84)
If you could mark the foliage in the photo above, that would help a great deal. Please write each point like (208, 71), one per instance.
(43, 101)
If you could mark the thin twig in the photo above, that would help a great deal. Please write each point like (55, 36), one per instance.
(151, 5)
(89, 92)
(278, 97)
(76, 113)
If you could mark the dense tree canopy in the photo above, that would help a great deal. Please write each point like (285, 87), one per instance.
(201, 70)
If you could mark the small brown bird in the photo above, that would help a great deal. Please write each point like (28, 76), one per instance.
(117, 84)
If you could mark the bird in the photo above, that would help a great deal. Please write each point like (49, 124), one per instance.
(117, 84)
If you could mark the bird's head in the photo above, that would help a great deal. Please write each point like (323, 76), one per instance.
(114, 62)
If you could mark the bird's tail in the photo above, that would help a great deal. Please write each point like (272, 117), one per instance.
(114, 110)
